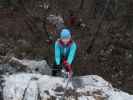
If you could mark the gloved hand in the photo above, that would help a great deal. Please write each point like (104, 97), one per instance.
(69, 70)
(68, 67)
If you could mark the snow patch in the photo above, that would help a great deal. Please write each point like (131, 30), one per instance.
(32, 86)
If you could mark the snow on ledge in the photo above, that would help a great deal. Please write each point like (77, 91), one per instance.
(88, 87)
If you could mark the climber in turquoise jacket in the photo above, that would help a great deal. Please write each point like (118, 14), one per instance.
(65, 50)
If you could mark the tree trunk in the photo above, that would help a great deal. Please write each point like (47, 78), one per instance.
(81, 4)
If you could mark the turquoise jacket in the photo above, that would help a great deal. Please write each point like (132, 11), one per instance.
(63, 50)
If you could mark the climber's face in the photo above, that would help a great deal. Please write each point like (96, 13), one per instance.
(65, 40)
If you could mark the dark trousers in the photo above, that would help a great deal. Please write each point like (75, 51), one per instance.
(56, 69)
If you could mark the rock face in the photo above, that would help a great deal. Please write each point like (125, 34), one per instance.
(26, 65)
(16, 65)
(25, 36)
(26, 86)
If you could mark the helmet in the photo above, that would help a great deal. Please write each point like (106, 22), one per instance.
(65, 33)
